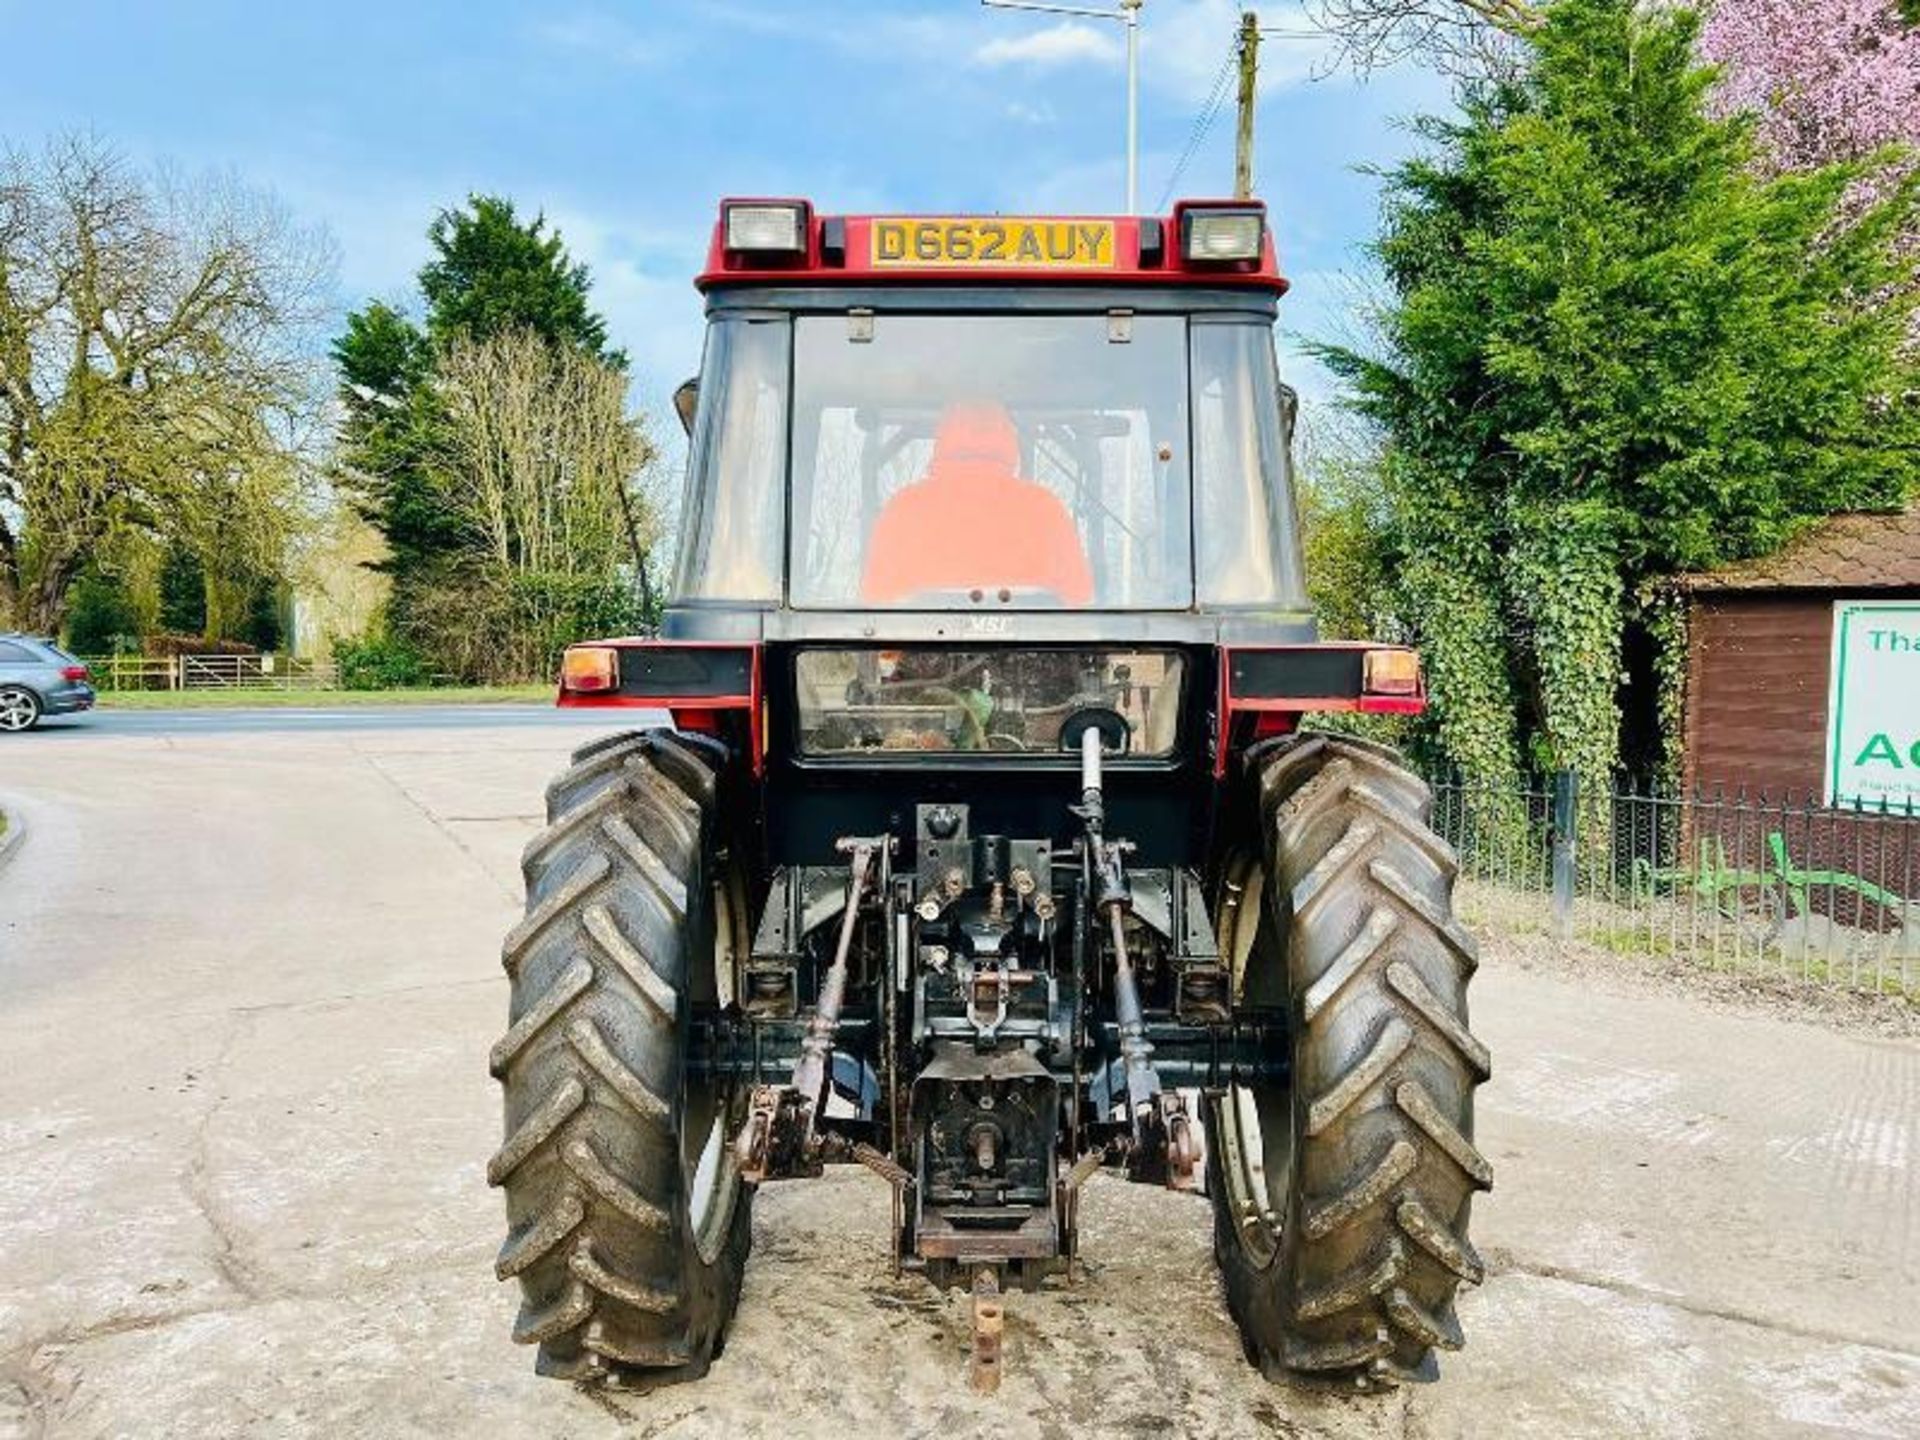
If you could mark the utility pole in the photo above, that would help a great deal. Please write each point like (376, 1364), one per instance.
(1243, 132)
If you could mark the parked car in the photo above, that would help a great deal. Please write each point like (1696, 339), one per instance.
(38, 678)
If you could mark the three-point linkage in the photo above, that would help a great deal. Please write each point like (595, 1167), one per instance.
(780, 1135)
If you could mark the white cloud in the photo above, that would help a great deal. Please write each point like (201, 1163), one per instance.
(867, 30)
(606, 37)
(1068, 43)
(1094, 186)
(643, 284)
(1040, 114)
(642, 266)
(1182, 42)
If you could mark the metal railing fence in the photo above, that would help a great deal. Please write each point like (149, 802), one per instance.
(1724, 878)
(210, 672)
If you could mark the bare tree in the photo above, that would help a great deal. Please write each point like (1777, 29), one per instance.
(542, 458)
(547, 472)
(1459, 37)
(156, 362)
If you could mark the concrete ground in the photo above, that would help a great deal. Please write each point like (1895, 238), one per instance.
(248, 977)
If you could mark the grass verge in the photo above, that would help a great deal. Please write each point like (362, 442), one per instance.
(321, 699)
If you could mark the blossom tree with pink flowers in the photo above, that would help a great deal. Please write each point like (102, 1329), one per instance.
(1827, 79)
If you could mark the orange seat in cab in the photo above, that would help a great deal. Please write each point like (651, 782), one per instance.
(971, 523)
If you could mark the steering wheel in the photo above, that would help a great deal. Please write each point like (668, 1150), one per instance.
(975, 729)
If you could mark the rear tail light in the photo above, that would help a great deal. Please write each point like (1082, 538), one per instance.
(73, 672)
(1391, 672)
(590, 669)
(1222, 235)
(765, 227)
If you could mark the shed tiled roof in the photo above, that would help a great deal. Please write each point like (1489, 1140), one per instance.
(1846, 552)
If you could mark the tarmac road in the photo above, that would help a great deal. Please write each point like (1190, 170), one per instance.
(248, 978)
(277, 720)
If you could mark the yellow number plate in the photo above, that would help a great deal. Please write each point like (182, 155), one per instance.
(1046, 244)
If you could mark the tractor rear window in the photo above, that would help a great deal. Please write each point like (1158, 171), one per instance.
(1028, 461)
(1003, 701)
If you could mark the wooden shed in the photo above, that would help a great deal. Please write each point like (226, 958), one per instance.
(1802, 720)
(1761, 640)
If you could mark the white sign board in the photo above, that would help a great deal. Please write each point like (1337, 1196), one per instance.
(1873, 704)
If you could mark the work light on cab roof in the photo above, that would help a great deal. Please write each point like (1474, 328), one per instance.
(985, 846)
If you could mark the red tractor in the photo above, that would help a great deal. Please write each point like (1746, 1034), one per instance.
(983, 847)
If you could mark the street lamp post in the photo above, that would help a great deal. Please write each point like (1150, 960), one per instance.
(1128, 13)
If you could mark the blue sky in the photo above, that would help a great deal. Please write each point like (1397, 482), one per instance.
(625, 120)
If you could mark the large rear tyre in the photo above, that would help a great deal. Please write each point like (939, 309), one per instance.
(1341, 1200)
(627, 1222)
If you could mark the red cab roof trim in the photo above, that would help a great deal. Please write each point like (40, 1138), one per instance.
(1085, 250)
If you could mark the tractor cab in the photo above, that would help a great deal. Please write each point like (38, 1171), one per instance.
(983, 846)
(1065, 434)
(988, 417)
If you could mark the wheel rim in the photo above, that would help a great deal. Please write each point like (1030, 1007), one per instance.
(18, 710)
(1239, 919)
(710, 1171)
(1254, 1132)
(1253, 1124)
(712, 1174)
